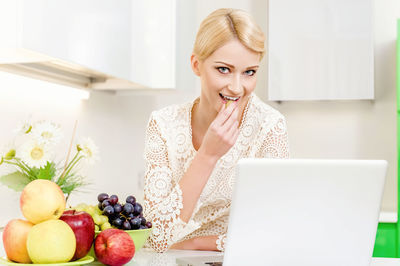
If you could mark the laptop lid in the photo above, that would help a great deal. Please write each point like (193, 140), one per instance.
(304, 212)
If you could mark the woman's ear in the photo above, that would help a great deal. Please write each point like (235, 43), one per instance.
(194, 61)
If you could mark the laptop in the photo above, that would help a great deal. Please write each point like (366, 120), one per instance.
(302, 212)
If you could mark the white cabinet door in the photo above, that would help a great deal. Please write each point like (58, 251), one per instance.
(127, 39)
(91, 33)
(154, 42)
(320, 50)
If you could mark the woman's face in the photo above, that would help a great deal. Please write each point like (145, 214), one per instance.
(227, 74)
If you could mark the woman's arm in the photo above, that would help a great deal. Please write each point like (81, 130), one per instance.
(219, 138)
(198, 243)
(169, 205)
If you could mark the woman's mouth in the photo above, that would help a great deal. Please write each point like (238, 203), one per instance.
(226, 98)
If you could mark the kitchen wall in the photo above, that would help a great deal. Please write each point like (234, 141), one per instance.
(116, 122)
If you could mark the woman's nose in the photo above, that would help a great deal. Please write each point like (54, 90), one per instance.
(236, 86)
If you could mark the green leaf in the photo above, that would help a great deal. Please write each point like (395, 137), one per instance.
(16, 181)
(47, 172)
(72, 183)
(34, 172)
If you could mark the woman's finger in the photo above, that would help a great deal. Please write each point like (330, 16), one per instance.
(225, 113)
(232, 130)
(231, 120)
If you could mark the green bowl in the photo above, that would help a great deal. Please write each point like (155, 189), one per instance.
(138, 236)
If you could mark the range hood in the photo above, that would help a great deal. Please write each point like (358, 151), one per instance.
(65, 73)
(91, 44)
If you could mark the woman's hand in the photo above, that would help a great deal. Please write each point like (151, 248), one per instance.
(222, 133)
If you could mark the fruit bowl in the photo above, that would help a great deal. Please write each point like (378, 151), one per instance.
(82, 261)
(138, 236)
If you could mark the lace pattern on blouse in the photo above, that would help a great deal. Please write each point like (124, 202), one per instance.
(169, 152)
(221, 242)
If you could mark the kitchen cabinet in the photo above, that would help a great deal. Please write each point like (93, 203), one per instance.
(320, 50)
(96, 44)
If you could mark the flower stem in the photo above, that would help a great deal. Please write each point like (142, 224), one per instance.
(66, 198)
(72, 166)
(69, 152)
(22, 168)
(27, 169)
(68, 169)
(22, 164)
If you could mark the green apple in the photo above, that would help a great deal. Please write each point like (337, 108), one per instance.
(14, 240)
(42, 200)
(52, 241)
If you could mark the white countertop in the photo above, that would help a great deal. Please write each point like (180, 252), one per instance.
(148, 257)
(388, 217)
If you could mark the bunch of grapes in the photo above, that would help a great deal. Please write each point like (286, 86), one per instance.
(128, 216)
(100, 220)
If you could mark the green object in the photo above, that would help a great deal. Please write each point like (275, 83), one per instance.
(16, 181)
(386, 241)
(82, 261)
(388, 235)
(139, 237)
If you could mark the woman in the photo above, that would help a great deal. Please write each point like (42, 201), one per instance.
(192, 149)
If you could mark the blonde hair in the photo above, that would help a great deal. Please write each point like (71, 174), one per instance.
(224, 25)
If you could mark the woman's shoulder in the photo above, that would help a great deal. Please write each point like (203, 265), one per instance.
(265, 112)
(172, 112)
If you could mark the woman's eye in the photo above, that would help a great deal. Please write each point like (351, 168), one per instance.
(250, 72)
(223, 70)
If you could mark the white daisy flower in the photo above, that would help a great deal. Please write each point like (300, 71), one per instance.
(23, 127)
(88, 149)
(47, 133)
(34, 154)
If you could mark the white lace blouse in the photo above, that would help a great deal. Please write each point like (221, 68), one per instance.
(169, 152)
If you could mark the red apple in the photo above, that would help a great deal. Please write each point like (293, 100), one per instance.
(83, 226)
(14, 240)
(114, 247)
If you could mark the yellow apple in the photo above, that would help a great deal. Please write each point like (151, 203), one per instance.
(42, 200)
(14, 240)
(52, 241)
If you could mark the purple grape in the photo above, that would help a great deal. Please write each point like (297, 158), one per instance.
(143, 221)
(102, 196)
(137, 209)
(131, 200)
(128, 208)
(118, 222)
(136, 223)
(142, 227)
(100, 205)
(113, 199)
(126, 225)
(117, 208)
(105, 203)
(108, 210)
(149, 225)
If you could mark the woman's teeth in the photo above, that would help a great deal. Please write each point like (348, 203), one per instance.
(228, 98)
